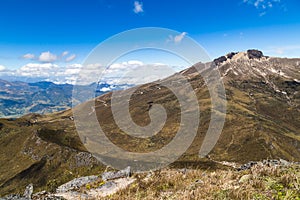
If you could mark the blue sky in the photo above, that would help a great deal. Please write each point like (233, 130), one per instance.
(63, 32)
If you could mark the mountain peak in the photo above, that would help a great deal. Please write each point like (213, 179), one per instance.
(235, 56)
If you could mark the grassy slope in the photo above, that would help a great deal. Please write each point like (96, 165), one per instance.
(46, 153)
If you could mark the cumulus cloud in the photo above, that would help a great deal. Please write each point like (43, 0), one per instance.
(72, 69)
(138, 7)
(177, 38)
(37, 70)
(130, 72)
(47, 57)
(28, 56)
(135, 72)
(70, 58)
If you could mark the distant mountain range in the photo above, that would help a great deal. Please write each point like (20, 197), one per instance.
(19, 98)
(262, 122)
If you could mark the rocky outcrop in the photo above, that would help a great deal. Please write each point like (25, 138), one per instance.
(114, 175)
(252, 54)
(280, 162)
(219, 60)
(230, 55)
(26, 196)
(88, 187)
(76, 183)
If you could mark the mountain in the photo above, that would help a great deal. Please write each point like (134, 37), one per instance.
(19, 98)
(262, 122)
(262, 117)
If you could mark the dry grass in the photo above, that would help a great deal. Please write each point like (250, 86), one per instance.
(261, 182)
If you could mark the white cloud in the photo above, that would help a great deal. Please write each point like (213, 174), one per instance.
(70, 58)
(64, 53)
(93, 66)
(258, 2)
(288, 50)
(264, 5)
(105, 89)
(270, 4)
(28, 56)
(72, 69)
(262, 14)
(130, 72)
(2, 68)
(37, 70)
(47, 57)
(138, 7)
(177, 38)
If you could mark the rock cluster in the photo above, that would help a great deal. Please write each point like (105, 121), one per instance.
(219, 60)
(111, 183)
(252, 54)
(114, 175)
(280, 162)
(76, 183)
(230, 55)
(26, 196)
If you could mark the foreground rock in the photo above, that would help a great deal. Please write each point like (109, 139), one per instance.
(114, 175)
(90, 187)
(106, 189)
(275, 163)
(76, 183)
(26, 196)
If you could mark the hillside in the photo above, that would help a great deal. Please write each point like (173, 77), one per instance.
(262, 121)
(19, 98)
(262, 118)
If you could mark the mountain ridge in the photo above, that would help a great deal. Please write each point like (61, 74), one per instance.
(261, 123)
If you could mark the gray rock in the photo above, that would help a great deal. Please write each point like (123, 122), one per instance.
(284, 162)
(76, 183)
(13, 197)
(27, 194)
(114, 175)
(247, 166)
(28, 191)
(44, 195)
